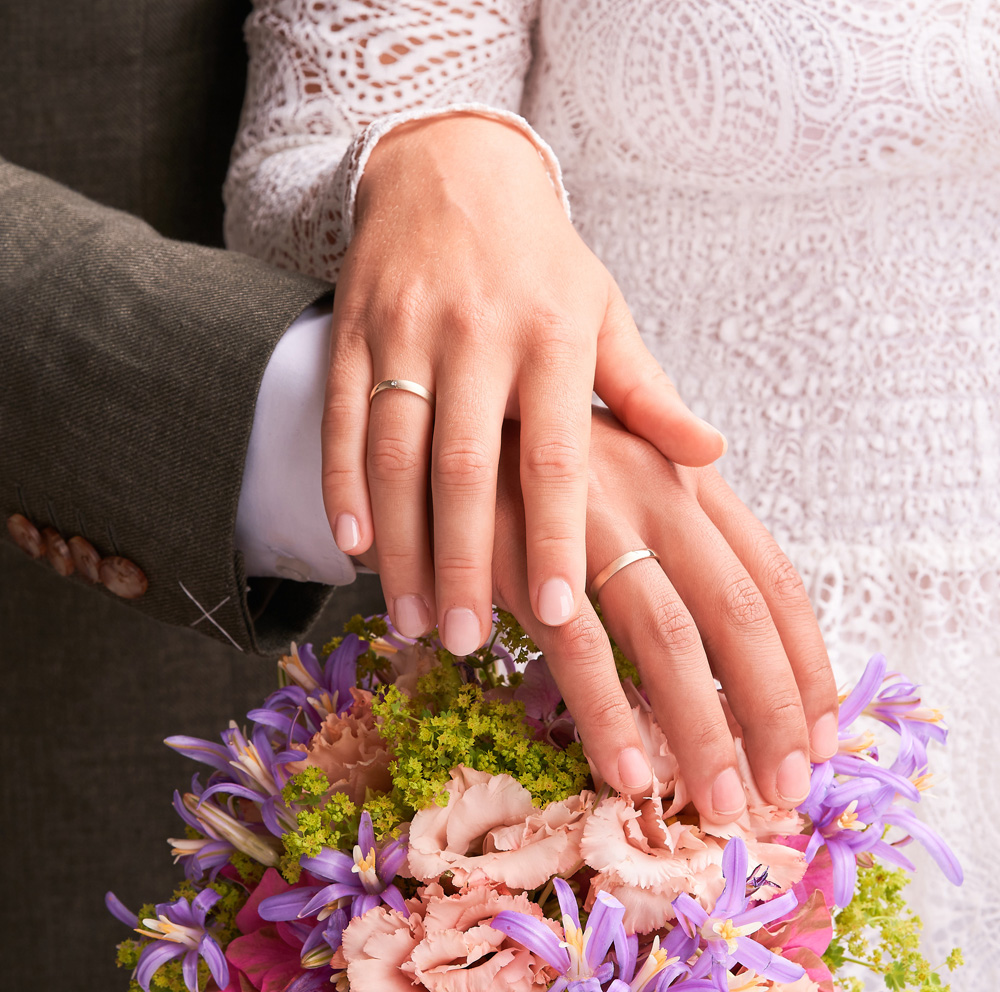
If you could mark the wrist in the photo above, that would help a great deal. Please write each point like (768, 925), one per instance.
(418, 160)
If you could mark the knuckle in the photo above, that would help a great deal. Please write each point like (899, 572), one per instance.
(783, 580)
(459, 566)
(608, 717)
(743, 606)
(555, 460)
(706, 737)
(400, 561)
(391, 457)
(584, 637)
(783, 707)
(338, 478)
(463, 463)
(673, 630)
(339, 417)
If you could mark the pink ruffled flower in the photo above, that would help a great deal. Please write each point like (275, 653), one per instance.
(491, 831)
(646, 862)
(349, 750)
(446, 945)
(408, 663)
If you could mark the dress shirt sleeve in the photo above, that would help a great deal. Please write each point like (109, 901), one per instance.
(328, 79)
(281, 525)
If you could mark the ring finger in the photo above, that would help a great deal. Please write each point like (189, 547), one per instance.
(399, 442)
(647, 618)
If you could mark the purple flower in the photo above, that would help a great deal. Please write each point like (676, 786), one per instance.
(247, 769)
(298, 710)
(724, 935)
(178, 930)
(365, 880)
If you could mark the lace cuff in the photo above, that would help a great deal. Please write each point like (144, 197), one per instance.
(352, 165)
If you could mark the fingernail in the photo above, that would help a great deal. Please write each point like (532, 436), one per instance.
(346, 532)
(411, 616)
(555, 602)
(823, 739)
(728, 796)
(460, 631)
(633, 769)
(792, 782)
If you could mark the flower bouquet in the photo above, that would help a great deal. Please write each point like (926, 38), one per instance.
(397, 818)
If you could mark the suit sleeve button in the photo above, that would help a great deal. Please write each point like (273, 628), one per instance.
(122, 577)
(86, 558)
(25, 535)
(57, 552)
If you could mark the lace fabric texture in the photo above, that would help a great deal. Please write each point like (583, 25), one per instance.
(801, 203)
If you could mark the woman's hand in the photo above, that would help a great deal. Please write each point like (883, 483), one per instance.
(722, 601)
(466, 276)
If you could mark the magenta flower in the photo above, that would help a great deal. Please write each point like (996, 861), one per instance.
(724, 934)
(178, 930)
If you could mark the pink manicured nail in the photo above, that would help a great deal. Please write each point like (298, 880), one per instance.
(555, 602)
(633, 769)
(792, 781)
(461, 632)
(411, 616)
(346, 532)
(728, 796)
(823, 739)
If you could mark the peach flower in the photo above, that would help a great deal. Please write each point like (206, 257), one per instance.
(446, 945)
(490, 830)
(408, 663)
(646, 859)
(349, 750)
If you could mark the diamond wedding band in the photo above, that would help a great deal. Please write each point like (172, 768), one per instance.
(406, 385)
(616, 566)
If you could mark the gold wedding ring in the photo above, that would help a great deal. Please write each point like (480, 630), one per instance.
(616, 566)
(406, 385)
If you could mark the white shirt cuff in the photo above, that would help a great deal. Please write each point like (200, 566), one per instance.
(281, 524)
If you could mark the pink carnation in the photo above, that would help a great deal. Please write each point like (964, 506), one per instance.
(446, 945)
(408, 664)
(491, 830)
(349, 750)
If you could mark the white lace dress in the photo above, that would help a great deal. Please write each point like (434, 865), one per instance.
(801, 202)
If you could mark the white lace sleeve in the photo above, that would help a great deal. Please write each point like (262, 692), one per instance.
(328, 79)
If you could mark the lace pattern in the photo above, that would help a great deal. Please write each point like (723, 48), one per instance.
(801, 203)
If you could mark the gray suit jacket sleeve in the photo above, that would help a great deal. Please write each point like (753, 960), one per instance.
(130, 365)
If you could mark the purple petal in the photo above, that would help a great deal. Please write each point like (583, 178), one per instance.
(567, 900)
(333, 865)
(314, 939)
(186, 815)
(845, 872)
(232, 789)
(202, 903)
(330, 894)
(390, 859)
(626, 950)
(392, 897)
(153, 957)
(336, 924)
(206, 752)
(209, 949)
(887, 852)
(314, 980)
(935, 846)
(286, 905)
(309, 662)
(364, 902)
(768, 911)
(766, 964)
(119, 910)
(604, 923)
(850, 765)
(366, 834)
(690, 913)
(734, 869)
(178, 912)
(269, 814)
(534, 935)
(190, 970)
(864, 692)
